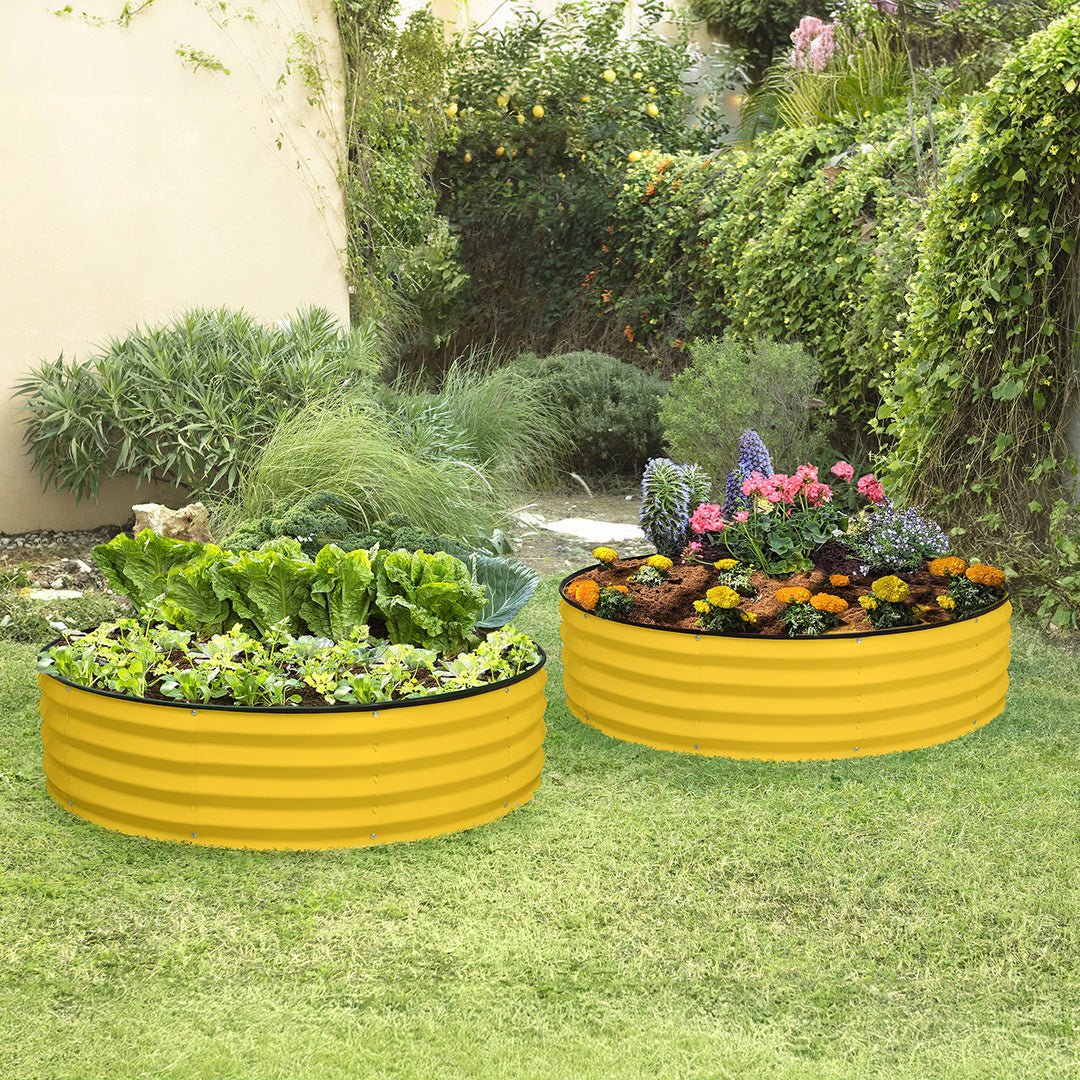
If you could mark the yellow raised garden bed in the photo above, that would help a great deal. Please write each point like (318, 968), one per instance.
(786, 699)
(335, 777)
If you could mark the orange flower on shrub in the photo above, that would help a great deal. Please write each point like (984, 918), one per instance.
(949, 566)
(984, 574)
(584, 592)
(793, 594)
(839, 580)
(628, 333)
(620, 588)
(824, 601)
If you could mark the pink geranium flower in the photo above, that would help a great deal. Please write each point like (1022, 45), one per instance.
(843, 471)
(707, 518)
(742, 515)
(869, 487)
(817, 494)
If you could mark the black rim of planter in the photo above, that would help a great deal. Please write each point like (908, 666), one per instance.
(289, 710)
(847, 634)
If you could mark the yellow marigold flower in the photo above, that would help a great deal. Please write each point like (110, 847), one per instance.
(891, 589)
(702, 607)
(605, 555)
(984, 574)
(585, 592)
(946, 603)
(868, 603)
(722, 597)
(726, 564)
(839, 580)
(748, 616)
(659, 562)
(793, 594)
(824, 601)
(949, 566)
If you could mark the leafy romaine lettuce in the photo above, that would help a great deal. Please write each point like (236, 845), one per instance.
(139, 566)
(342, 592)
(191, 600)
(427, 600)
(266, 587)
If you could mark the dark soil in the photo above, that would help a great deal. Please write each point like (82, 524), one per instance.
(671, 603)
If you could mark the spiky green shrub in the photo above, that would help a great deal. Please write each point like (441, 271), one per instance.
(188, 403)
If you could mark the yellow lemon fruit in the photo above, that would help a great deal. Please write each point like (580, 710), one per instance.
(468, 157)
(538, 111)
(585, 98)
(634, 155)
(502, 100)
(637, 76)
(521, 118)
(451, 109)
(500, 150)
(652, 109)
(609, 76)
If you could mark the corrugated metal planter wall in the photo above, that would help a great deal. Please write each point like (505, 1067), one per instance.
(786, 699)
(294, 778)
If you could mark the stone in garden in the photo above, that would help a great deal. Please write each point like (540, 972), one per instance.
(191, 522)
(594, 532)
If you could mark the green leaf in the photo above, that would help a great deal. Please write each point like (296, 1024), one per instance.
(190, 599)
(508, 583)
(1019, 176)
(427, 600)
(139, 566)
(342, 592)
(267, 588)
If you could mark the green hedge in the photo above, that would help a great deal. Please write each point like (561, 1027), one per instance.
(805, 236)
(988, 352)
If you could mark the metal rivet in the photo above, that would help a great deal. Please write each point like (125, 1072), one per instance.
(976, 619)
(856, 749)
(372, 836)
(194, 836)
(68, 689)
(696, 746)
(70, 803)
(194, 712)
(858, 641)
(507, 690)
(374, 714)
(697, 637)
(506, 804)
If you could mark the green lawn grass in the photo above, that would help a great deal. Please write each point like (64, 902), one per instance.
(647, 915)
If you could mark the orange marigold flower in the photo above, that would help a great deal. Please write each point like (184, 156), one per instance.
(984, 574)
(620, 588)
(839, 580)
(827, 602)
(628, 333)
(792, 594)
(949, 566)
(584, 592)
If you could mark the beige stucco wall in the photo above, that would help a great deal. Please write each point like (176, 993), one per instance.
(132, 186)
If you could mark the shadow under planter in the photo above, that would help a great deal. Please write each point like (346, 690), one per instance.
(294, 778)
(785, 699)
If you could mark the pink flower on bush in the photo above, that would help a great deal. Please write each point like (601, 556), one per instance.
(817, 494)
(814, 44)
(869, 487)
(742, 515)
(843, 471)
(707, 518)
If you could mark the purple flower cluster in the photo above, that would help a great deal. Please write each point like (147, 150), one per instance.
(897, 539)
(753, 457)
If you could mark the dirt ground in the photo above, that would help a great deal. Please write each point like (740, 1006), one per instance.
(551, 553)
